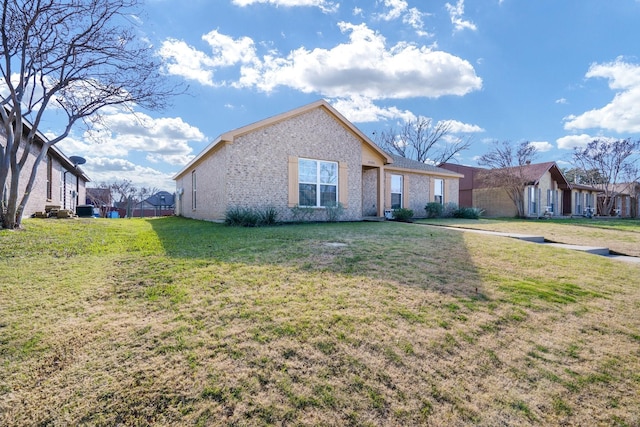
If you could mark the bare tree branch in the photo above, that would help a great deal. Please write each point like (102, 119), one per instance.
(617, 164)
(506, 169)
(78, 56)
(423, 141)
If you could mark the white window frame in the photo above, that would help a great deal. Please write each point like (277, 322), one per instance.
(194, 183)
(551, 204)
(318, 181)
(438, 190)
(533, 200)
(397, 187)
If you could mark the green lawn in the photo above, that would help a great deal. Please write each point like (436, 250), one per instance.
(178, 322)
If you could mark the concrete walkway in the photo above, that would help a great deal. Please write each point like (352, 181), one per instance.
(595, 250)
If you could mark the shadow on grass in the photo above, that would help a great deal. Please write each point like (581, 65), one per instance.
(399, 253)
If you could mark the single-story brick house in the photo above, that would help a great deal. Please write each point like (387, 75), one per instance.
(546, 193)
(59, 184)
(310, 157)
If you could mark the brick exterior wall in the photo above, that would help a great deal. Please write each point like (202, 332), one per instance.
(38, 199)
(420, 189)
(253, 170)
(494, 202)
(211, 189)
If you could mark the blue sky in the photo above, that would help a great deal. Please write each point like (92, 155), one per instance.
(557, 73)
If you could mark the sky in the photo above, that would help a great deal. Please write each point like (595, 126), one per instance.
(556, 73)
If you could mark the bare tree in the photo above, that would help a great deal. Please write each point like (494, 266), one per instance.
(617, 165)
(581, 176)
(423, 141)
(101, 197)
(73, 57)
(507, 165)
(125, 193)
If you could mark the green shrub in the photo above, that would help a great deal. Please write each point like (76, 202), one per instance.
(434, 209)
(248, 217)
(334, 211)
(302, 213)
(402, 214)
(467, 213)
(448, 210)
(268, 216)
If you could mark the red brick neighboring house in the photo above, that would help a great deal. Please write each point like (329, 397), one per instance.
(546, 193)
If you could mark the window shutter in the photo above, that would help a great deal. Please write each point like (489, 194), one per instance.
(293, 181)
(405, 191)
(387, 191)
(343, 187)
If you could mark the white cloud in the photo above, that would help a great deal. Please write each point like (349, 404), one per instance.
(561, 101)
(396, 9)
(622, 114)
(457, 13)
(362, 110)
(183, 60)
(542, 146)
(569, 142)
(410, 16)
(117, 136)
(227, 51)
(109, 170)
(324, 5)
(459, 127)
(365, 66)
(186, 61)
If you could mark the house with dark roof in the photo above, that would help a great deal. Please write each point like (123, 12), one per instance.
(161, 203)
(546, 191)
(311, 157)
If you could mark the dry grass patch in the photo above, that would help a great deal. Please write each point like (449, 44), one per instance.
(619, 235)
(180, 322)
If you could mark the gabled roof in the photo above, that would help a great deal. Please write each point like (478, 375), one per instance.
(232, 135)
(161, 198)
(575, 186)
(400, 162)
(531, 173)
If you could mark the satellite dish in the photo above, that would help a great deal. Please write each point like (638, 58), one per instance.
(77, 160)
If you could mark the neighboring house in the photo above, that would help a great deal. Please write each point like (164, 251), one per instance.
(59, 183)
(310, 157)
(160, 204)
(582, 201)
(627, 201)
(546, 193)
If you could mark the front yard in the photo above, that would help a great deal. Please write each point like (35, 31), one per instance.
(178, 322)
(620, 235)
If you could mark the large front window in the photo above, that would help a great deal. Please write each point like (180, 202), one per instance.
(396, 191)
(317, 183)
